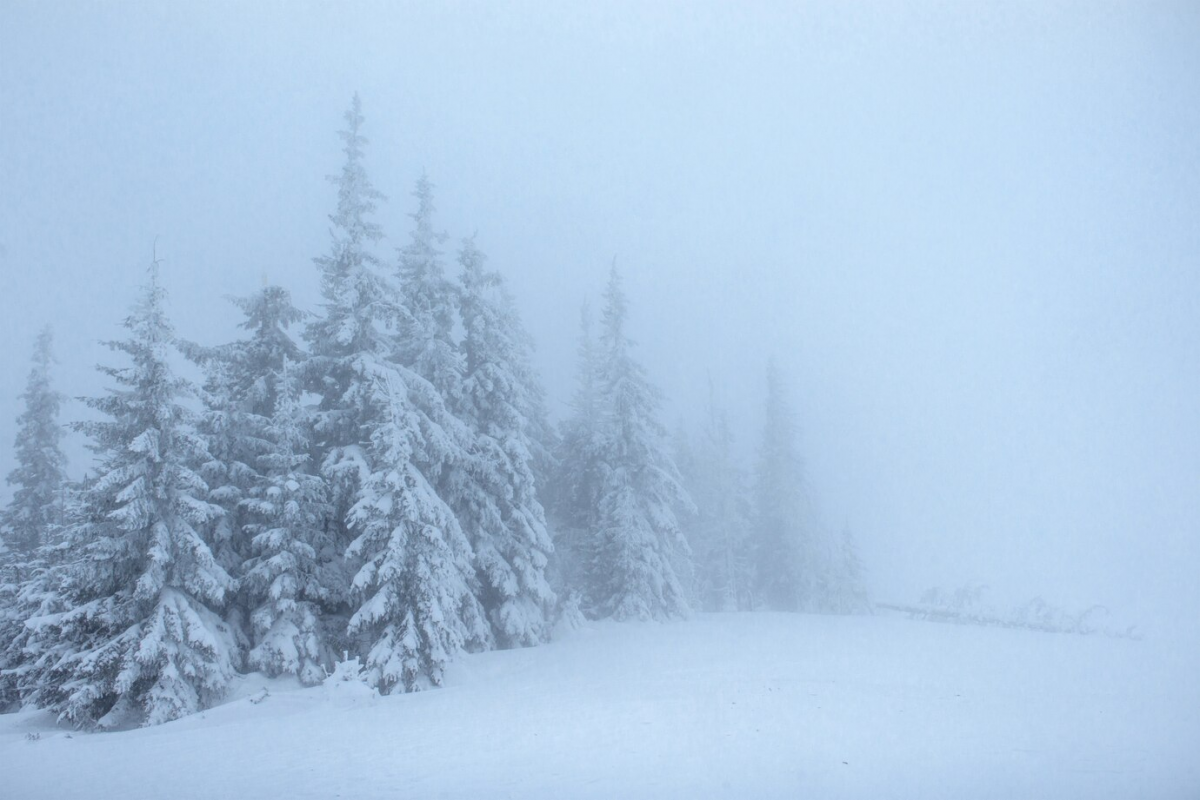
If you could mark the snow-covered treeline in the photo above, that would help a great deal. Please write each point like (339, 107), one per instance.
(377, 477)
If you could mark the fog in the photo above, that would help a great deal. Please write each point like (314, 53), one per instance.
(968, 233)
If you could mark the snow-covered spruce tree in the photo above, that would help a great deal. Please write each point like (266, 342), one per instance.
(23, 653)
(35, 512)
(348, 340)
(785, 563)
(686, 517)
(543, 442)
(425, 314)
(425, 341)
(719, 531)
(283, 584)
(34, 517)
(384, 436)
(638, 547)
(11, 624)
(500, 511)
(573, 491)
(239, 396)
(540, 431)
(139, 636)
(418, 609)
(354, 296)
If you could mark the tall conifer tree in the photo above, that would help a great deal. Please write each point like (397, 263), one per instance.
(139, 636)
(638, 548)
(784, 568)
(848, 594)
(573, 492)
(499, 510)
(719, 532)
(36, 510)
(348, 341)
(385, 438)
(35, 516)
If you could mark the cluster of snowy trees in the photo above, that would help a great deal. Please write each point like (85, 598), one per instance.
(760, 543)
(649, 529)
(369, 480)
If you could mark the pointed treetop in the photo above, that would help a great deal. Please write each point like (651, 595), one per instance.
(419, 262)
(472, 259)
(357, 198)
(616, 309)
(31, 516)
(43, 347)
(423, 216)
(267, 309)
(351, 135)
(148, 318)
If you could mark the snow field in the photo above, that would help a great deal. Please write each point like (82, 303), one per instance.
(749, 705)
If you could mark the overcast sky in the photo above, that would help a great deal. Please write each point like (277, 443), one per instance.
(969, 231)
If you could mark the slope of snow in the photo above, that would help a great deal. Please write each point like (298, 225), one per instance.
(762, 705)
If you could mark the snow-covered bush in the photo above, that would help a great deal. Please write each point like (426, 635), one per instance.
(967, 605)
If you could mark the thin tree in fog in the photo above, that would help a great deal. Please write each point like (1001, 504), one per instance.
(573, 491)
(34, 517)
(638, 549)
(541, 434)
(139, 635)
(500, 511)
(785, 571)
(35, 511)
(848, 593)
(719, 531)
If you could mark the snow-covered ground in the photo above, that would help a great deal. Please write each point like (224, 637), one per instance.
(739, 706)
